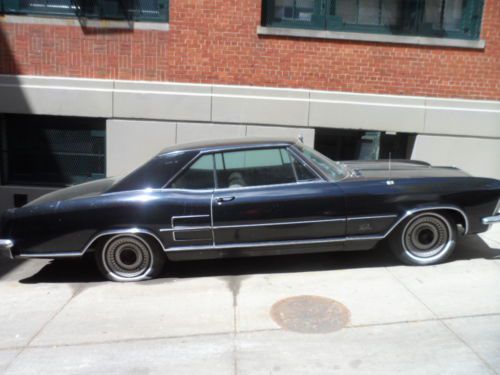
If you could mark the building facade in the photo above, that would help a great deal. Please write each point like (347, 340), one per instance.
(93, 89)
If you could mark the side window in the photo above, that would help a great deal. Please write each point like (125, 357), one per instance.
(200, 175)
(302, 172)
(254, 168)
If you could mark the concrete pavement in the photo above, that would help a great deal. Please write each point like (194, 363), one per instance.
(213, 317)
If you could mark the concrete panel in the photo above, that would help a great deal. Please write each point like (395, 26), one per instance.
(129, 144)
(454, 289)
(389, 301)
(477, 156)
(463, 117)
(482, 334)
(424, 348)
(159, 309)
(164, 101)
(183, 356)
(26, 308)
(7, 194)
(284, 132)
(193, 132)
(369, 112)
(56, 96)
(248, 105)
(6, 357)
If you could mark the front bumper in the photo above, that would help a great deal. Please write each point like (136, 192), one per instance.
(6, 248)
(491, 220)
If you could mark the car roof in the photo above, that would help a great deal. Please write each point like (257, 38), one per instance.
(223, 144)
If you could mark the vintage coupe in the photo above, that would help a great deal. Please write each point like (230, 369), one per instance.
(252, 197)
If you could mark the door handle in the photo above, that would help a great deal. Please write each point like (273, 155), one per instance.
(221, 200)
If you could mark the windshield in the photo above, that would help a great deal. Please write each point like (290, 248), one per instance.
(332, 169)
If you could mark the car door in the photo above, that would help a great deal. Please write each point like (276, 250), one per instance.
(189, 199)
(268, 195)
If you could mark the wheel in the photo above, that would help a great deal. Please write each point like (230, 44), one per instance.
(130, 258)
(427, 238)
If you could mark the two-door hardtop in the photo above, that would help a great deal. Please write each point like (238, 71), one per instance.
(252, 197)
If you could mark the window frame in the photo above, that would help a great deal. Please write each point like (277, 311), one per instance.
(103, 12)
(287, 147)
(323, 19)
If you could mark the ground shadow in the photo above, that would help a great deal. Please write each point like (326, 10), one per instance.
(85, 271)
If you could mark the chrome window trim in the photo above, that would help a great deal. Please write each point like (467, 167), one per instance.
(287, 146)
(297, 152)
(272, 185)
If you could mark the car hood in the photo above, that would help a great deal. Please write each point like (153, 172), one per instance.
(383, 169)
(87, 189)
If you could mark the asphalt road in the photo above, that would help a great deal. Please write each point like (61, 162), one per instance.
(360, 313)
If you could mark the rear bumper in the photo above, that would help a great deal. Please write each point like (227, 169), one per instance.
(6, 248)
(491, 220)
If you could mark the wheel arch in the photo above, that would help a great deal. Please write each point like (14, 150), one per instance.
(456, 213)
(104, 235)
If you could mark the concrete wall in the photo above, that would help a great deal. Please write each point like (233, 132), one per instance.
(478, 156)
(130, 143)
(241, 105)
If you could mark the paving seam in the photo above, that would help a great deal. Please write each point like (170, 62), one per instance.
(231, 333)
(457, 336)
(74, 294)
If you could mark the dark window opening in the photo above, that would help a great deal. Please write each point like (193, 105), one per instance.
(339, 144)
(130, 10)
(51, 150)
(434, 18)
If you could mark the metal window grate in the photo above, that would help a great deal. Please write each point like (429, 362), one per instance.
(434, 18)
(135, 10)
(52, 151)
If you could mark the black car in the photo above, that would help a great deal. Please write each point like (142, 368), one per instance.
(252, 197)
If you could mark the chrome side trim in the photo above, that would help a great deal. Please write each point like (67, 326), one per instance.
(351, 218)
(370, 237)
(279, 223)
(254, 244)
(50, 255)
(185, 229)
(491, 220)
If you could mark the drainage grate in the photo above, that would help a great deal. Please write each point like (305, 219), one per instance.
(310, 314)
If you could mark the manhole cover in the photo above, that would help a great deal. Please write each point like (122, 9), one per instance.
(310, 314)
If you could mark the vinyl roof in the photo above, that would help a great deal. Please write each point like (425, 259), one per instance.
(243, 142)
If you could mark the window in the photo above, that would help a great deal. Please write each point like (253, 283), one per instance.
(435, 18)
(51, 151)
(302, 172)
(329, 167)
(254, 168)
(130, 10)
(200, 175)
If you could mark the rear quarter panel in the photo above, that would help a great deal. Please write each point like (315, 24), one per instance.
(477, 197)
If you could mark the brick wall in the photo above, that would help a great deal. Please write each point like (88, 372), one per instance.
(215, 41)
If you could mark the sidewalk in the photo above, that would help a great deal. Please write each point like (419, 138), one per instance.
(213, 317)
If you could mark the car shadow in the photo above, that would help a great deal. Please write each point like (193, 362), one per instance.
(85, 270)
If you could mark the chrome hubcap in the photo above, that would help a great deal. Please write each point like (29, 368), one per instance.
(127, 256)
(426, 236)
